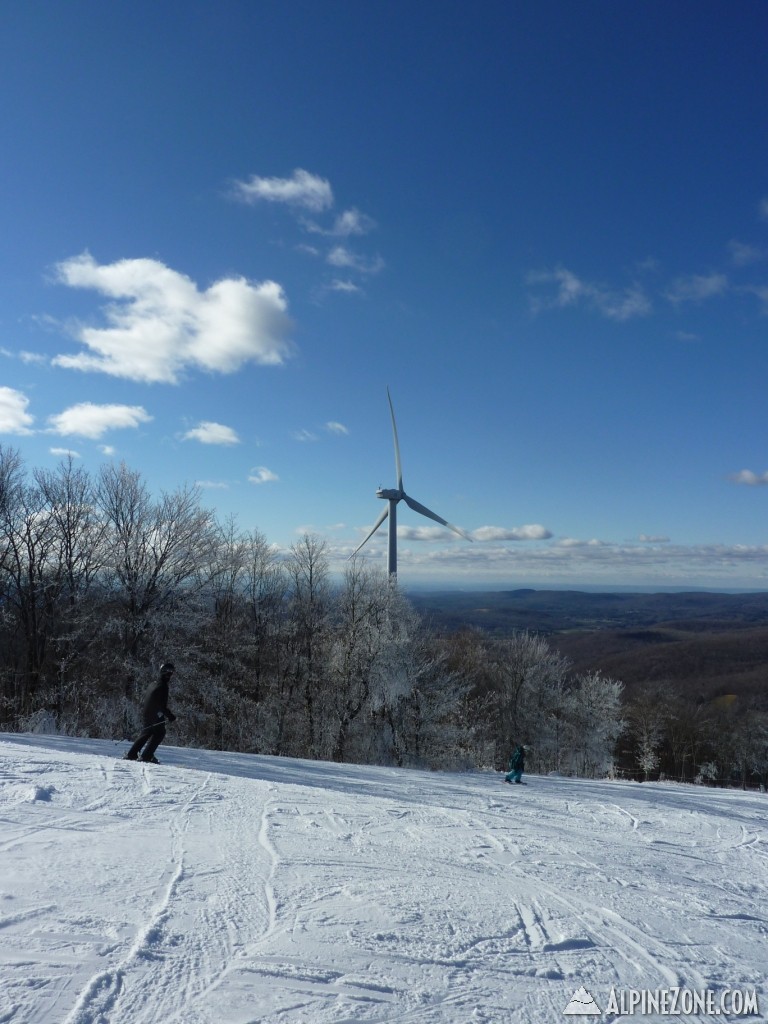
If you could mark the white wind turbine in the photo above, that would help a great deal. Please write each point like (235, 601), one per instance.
(392, 496)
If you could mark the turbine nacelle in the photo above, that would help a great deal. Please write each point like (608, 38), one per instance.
(390, 493)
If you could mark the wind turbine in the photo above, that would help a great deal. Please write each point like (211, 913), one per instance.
(392, 496)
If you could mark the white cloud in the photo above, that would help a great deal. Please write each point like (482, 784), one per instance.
(310, 192)
(308, 250)
(336, 428)
(89, 420)
(32, 357)
(107, 449)
(743, 254)
(212, 433)
(653, 562)
(623, 305)
(353, 222)
(569, 287)
(161, 324)
(426, 533)
(570, 290)
(212, 485)
(341, 256)
(646, 538)
(65, 453)
(303, 435)
(311, 530)
(344, 286)
(746, 476)
(574, 542)
(14, 418)
(763, 208)
(761, 291)
(608, 564)
(350, 222)
(697, 287)
(261, 475)
(532, 531)
(302, 189)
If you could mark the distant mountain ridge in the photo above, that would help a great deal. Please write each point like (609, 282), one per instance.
(705, 643)
(556, 611)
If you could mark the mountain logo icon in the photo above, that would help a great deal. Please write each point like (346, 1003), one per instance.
(582, 1002)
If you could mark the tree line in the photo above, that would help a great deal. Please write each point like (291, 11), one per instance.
(100, 582)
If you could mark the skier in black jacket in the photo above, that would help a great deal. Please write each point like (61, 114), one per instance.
(155, 714)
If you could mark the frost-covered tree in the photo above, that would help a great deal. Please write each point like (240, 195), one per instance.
(708, 772)
(758, 752)
(648, 717)
(358, 634)
(548, 714)
(747, 744)
(437, 726)
(393, 679)
(524, 673)
(596, 722)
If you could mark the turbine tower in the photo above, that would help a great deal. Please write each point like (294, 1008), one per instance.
(392, 496)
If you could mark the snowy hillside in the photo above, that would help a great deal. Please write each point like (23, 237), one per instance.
(229, 889)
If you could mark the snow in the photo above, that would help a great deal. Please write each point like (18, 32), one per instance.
(231, 889)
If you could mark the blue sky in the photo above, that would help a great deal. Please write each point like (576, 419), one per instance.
(228, 228)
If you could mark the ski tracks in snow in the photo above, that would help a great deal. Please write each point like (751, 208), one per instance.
(332, 895)
(389, 941)
(187, 880)
(651, 881)
(219, 899)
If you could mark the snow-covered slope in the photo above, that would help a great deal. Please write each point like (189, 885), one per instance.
(229, 889)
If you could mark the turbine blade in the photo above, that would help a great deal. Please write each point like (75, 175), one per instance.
(398, 467)
(379, 521)
(423, 510)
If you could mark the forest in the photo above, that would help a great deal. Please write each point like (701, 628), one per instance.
(101, 581)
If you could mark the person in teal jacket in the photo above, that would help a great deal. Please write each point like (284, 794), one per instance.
(516, 765)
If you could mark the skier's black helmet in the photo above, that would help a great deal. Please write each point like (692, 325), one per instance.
(167, 669)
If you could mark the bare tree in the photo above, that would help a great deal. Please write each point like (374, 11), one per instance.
(265, 584)
(12, 478)
(77, 558)
(688, 731)
(30, 580)
(156, 560)
(357, 637)
(239, 642)
(307, 634)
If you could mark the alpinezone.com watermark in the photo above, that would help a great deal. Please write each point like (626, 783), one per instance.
(682, 1002)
